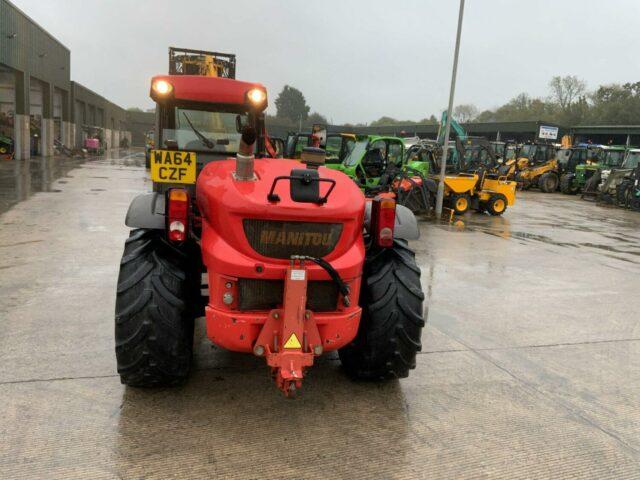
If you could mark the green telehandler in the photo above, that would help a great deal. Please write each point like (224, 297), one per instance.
(372, 155)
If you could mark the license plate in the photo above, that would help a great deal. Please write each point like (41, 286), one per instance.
(173, 166)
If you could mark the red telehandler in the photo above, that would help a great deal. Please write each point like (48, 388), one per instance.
(298, 262)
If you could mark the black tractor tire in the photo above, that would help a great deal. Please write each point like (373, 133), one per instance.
(497, 204)
(566, 184)
(548, 182)
(156, 303)
(634, 203)
(591, 185)
(623, 190)
(459, 203)
(391, 297)
(605, 198)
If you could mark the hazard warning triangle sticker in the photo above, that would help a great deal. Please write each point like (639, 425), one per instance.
(293, 342)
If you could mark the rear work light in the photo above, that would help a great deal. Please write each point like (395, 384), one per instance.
(257, 98)
(178, 214)
(383, 218)
(162, 87)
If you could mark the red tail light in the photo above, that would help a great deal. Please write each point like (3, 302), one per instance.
(383, 219)
(178, 214)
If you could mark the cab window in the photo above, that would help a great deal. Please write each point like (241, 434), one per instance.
(395, 153)
(580, 156)
(333, 147)
(380, 145)
(303, 142)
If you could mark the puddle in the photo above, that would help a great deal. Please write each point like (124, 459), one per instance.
(20, 179)
(610, 248)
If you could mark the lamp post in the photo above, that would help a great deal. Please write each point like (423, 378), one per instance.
(445, 146)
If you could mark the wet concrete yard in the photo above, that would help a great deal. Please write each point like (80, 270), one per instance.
(530, 366)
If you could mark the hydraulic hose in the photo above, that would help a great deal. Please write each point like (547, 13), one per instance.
(333, 273)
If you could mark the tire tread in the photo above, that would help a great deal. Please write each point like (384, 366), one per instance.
(389, 336)
(154, 321)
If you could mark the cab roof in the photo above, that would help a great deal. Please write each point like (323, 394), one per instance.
(373, 138)
(200, 89)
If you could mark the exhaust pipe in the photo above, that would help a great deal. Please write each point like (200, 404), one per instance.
(245, 157)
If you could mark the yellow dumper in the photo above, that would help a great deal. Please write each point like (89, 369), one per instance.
(481, 191)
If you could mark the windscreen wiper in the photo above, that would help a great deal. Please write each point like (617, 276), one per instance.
(202, 138)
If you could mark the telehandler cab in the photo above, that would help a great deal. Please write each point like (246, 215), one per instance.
(379, 164)
(298, 262)
(367, 161)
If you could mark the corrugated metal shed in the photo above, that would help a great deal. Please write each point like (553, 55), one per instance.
(27, 47)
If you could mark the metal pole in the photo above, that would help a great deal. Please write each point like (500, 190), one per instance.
(445, 146)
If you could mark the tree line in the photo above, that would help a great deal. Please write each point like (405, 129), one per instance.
(569, 102)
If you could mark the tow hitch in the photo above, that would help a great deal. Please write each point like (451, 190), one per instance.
(290, 339)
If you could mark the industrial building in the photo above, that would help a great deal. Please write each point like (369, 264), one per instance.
(518, 131)
(38, 101)
(502, 131)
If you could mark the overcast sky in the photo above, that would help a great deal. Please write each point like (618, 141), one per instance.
(354, 60)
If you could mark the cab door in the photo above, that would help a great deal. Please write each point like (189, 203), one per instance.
(374, 162)
(395, 153)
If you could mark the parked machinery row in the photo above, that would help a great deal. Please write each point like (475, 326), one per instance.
(481, 175)
(607, 173)
(383, 165)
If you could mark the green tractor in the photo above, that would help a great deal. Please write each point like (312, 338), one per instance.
(615, 183)
(589, 175)
(582, 173)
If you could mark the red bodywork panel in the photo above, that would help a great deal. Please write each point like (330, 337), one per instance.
(206, 89)
(228, 256)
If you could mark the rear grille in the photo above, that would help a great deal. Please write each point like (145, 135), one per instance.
(254, 294)
(278, 239)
